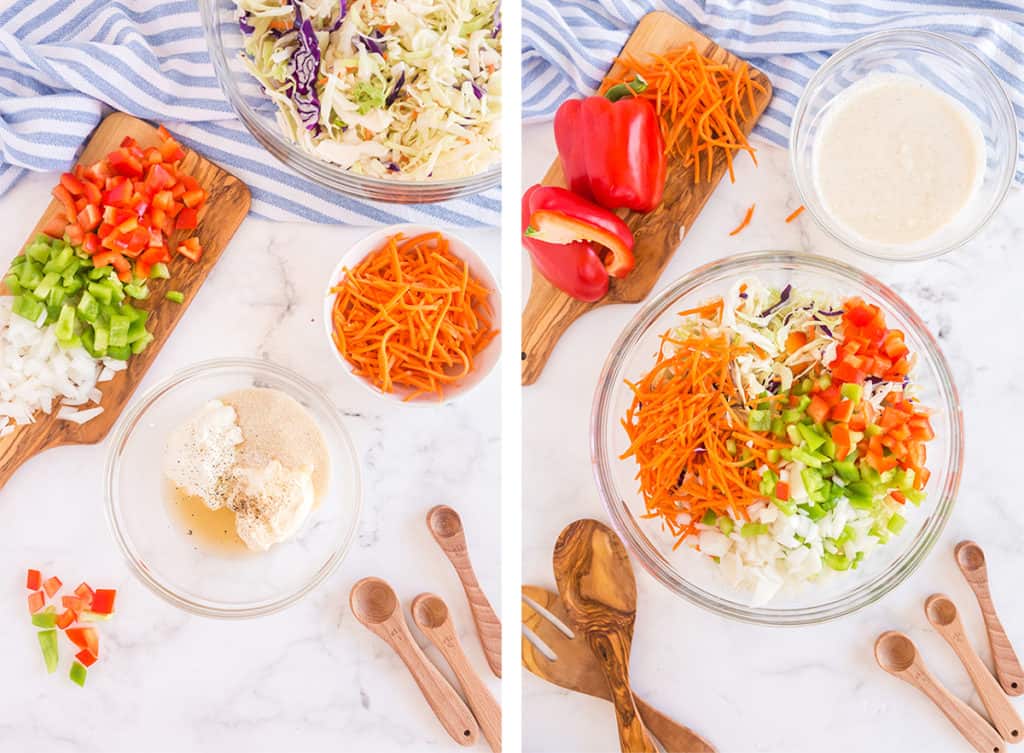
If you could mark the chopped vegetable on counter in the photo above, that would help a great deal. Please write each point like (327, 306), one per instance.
(796, 213)
(412, 315)
(575, 244)
(36, 601)
(34, 581)
(745, 221)
(48, 644)
(611, 148)
(77, 674)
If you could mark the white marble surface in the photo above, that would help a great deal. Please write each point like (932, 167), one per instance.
(309, 678)
(817, 688)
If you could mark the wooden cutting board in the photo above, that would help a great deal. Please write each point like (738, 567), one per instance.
(549, 311)
(226, 206)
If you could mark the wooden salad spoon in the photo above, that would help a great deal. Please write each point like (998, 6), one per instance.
(375, 605)
(431, 616)
(970, 558)
(575, 667)
(446, 527)
(596, 583)
(897, 655)
(942, 614)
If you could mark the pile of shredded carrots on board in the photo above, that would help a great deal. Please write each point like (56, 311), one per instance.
(684, 412)
(411, 316)
(702, 104)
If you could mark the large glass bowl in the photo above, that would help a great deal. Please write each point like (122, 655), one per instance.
(694, 576)
(942, 63)
(259, 114)
(198, 579)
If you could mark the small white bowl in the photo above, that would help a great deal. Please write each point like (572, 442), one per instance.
(484, 362)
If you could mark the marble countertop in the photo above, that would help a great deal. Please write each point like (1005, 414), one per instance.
(748, 688)
(309, 678)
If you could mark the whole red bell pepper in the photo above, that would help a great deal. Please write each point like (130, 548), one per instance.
(575, 244)
(612, 149)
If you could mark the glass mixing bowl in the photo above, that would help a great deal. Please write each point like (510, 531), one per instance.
(694, 576)
(199, 579)
(259, 114)
(942, 63)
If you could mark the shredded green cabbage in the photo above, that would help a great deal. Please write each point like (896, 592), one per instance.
(406, 89)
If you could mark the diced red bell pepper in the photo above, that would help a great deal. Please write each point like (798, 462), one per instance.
(66, 619)
(118, 193)
(158, 178)
(73, 185)
(64, 197)
(85, 657)
(54, 227)
(34, 580)
(172, 151)
(191, 249)
(85, 593)
(818, 410)
(103, 601)
(51, 586)
(154, 255)
(193, 199)
(124, 163)
(90, 218)
(781, 491)
(74, 234)
(73, 602)
(92, 193)
(36, 601)
(98, 172)
(842, 412)
(188, 219)
(163, 200)
(85, 637)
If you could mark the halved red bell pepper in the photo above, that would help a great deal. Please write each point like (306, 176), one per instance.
(565, 235)
(612, 149)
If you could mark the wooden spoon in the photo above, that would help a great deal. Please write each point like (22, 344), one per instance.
(374, 604)
(897, 655)
(595, 580)
(446, 527)
(942, 614)
(430, 614)
(970, 558)
(575, 667)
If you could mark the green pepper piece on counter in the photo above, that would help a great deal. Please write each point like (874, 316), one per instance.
(78, 674)
(48, 643)
(45, 619)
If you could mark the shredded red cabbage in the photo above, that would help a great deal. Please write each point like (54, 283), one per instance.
(783, 297)
(371, 44)
(395, 90)
(478, 91)
(341, 16)
(244, 25)
(306, 63)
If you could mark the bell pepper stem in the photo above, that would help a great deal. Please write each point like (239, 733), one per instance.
(637, 86)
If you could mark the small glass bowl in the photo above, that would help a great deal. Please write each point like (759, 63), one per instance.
(259, 114)
(165, 559)
(693, 576)
(938, 61)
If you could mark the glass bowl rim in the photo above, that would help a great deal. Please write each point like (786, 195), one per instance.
(320, 171)
(125, 426)
(624, 522)
(932, 41)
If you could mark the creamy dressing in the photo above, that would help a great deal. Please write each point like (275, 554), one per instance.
(897, 162)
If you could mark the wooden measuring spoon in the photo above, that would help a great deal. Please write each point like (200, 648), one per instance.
(970, 558)
(575, 667)
(596, 583)
(374, 604)
(942, 614)
(446, 527)
(431, 616)
(897, 655)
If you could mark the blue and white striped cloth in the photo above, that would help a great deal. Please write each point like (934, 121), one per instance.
(569, 44)
(65, 63)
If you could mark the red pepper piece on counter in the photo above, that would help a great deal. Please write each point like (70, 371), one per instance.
(85, 658)
(612, 149)
(51, 586)
(85, 637)
(34, 580)
(103, 601)
(564, 235)
(36, 601)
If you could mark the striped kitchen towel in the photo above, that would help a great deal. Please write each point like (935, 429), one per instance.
(568, 45)
(64, 64)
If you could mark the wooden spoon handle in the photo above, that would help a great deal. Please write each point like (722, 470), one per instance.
(450, 710)
(488, 626)
(1004, 658)
(975, 730)
(1000, 710)
(612, 651)
(483, 704)
(674, 737)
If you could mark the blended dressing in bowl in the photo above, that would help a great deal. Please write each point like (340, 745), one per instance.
(245, 471)
(897, 162)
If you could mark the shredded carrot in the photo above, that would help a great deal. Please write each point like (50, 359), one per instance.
(746, 221)
(703, 105)
(688, 433)
(796, 213)
(411, 316)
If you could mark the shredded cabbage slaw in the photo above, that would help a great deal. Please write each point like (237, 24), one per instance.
(403, 89)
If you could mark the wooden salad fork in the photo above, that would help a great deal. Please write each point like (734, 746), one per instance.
(574, 667)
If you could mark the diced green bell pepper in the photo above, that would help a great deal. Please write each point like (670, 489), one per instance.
(48, 643)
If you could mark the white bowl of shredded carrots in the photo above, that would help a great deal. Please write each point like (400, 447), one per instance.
(412, 313)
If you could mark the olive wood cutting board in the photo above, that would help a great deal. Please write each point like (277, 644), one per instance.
(549, 311)
(227, 204)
